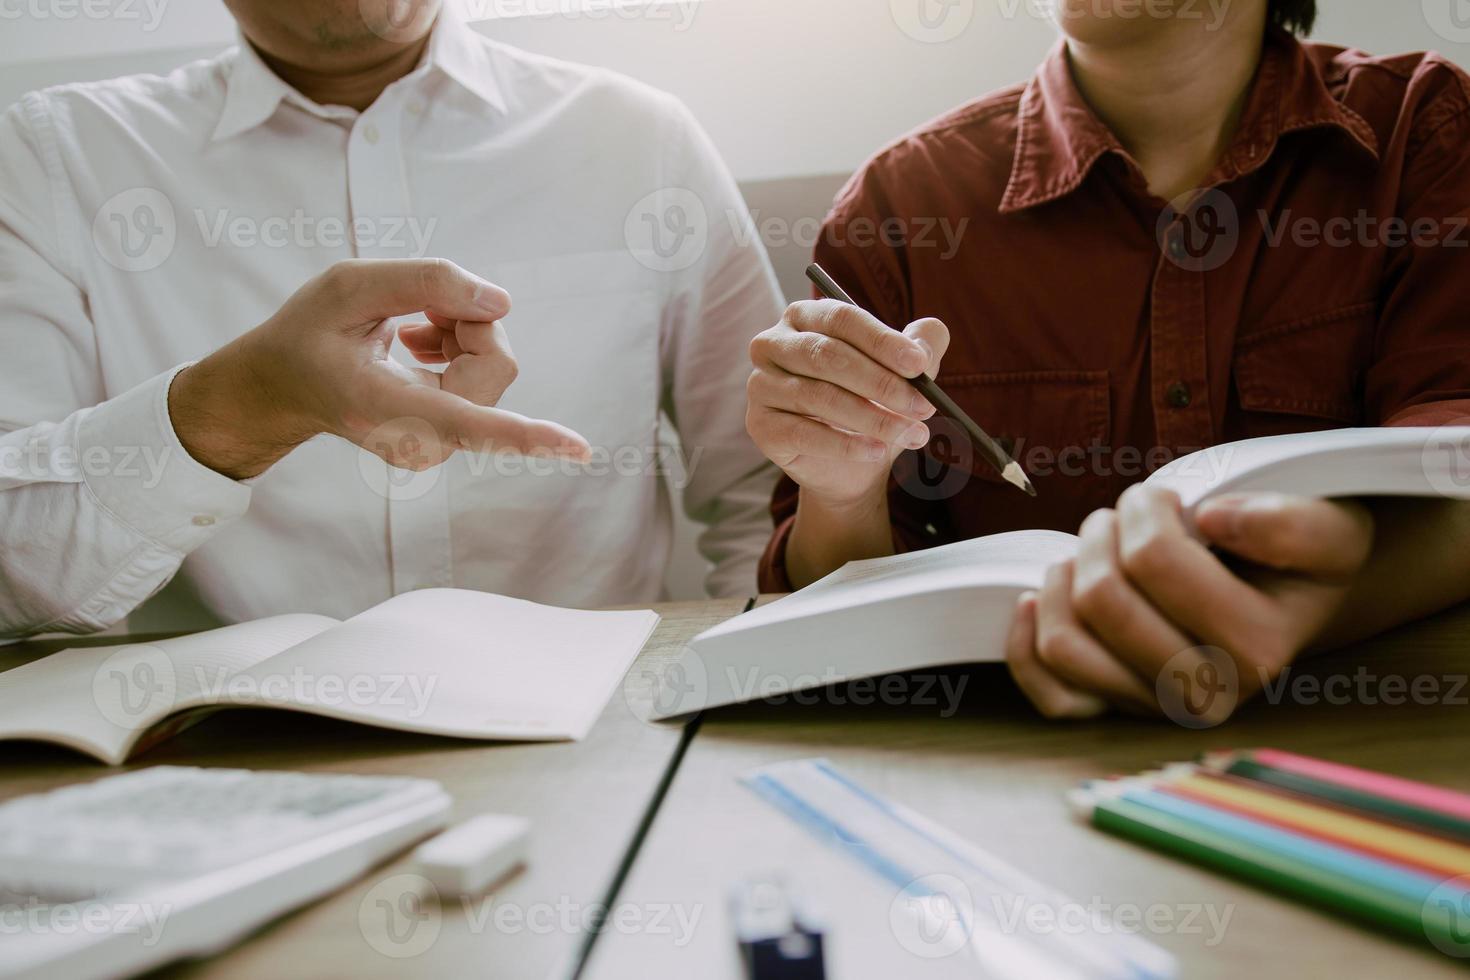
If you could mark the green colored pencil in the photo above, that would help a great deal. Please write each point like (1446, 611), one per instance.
(1291, 876)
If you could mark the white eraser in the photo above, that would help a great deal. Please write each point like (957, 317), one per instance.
(466, 858)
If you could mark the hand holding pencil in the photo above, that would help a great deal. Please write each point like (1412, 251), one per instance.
(832, 404)
(925, 385)
(831, 401)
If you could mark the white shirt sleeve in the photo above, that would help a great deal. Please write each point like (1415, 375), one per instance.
(99, 501)
(722, 302)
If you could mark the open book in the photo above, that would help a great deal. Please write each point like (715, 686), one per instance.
(438, 661)
(953, 605)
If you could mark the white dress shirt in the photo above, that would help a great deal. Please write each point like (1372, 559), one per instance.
(147, 221)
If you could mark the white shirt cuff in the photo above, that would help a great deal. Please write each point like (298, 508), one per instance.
(134, 464)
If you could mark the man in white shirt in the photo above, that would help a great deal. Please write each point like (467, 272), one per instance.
(254, 219)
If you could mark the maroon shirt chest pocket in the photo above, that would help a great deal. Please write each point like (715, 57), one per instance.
(1307, 368)
(1050, 421)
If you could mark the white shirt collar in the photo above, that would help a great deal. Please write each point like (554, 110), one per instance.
(253, 91)
(462, 54)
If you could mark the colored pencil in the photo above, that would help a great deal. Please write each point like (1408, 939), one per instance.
(1383, 875)
(1275, 859)
(1244, 765)
(1402, 790)
(1422, 852)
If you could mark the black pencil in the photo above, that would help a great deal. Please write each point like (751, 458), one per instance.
(1009, 469)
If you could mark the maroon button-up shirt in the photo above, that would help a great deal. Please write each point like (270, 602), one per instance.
(1322, 280)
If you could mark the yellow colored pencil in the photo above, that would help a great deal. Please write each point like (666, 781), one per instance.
(1380, 839)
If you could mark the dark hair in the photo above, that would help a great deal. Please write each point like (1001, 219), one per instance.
(1297, 16)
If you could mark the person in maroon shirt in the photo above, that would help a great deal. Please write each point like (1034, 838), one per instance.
(1178, 233)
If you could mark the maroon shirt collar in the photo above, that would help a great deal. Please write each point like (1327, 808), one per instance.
(1059, 138)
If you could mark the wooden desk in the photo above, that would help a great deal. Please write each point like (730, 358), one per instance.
(996, 774)
(585, 801)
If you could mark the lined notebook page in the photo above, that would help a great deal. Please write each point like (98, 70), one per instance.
(467, 664)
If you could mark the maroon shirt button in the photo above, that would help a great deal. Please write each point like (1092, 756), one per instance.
(1178, 395)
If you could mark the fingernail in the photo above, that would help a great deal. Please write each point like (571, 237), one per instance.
(919, 406)
(874, 451)
(1226, 515)
(917, 437)
(915, 359)
(1085, 707)
(492, 299)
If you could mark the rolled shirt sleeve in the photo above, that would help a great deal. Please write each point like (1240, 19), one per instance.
(99, 501)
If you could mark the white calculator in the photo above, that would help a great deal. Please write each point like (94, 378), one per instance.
(114, 877)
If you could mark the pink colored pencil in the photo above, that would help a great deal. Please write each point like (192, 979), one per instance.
(1403, 790)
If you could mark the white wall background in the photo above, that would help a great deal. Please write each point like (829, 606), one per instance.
(765, 76)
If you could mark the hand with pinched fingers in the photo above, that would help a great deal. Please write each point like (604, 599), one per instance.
(322, 364)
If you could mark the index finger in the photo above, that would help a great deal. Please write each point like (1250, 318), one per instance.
(464, 425)
(898, 353)
(1181, 578)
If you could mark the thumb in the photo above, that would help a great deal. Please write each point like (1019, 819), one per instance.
(1294, 534)
(377, 289)
(934, 336)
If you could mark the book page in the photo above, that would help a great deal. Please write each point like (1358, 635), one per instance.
(1337, 463)
(1014, 558)
(928, 609)
(100, 699)
(460, 663)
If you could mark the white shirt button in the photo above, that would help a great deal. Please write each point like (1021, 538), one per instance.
(203, 520)
(370, 133)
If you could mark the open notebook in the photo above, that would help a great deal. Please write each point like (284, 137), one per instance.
(953, 605)
(439, 661)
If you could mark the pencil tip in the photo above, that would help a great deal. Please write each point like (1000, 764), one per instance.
(1014, 475)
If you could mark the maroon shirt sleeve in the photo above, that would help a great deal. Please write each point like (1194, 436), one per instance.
(868, 264)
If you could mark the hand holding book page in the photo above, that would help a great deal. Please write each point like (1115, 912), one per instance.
(954, 604)
(1206, 583)
(439, 661)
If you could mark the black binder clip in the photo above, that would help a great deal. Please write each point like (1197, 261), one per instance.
(780, 938)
